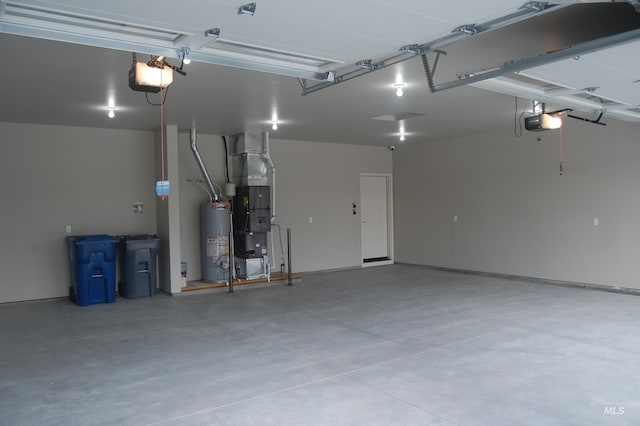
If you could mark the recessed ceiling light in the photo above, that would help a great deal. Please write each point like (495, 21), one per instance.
(111, 108)
(402, 132)
(399, 87)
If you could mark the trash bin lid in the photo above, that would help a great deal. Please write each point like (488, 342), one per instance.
(84, 239)
(140, 237)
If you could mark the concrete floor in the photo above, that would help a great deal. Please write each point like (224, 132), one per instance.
(393, 345)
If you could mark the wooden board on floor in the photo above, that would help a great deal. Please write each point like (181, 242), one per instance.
(275, 277)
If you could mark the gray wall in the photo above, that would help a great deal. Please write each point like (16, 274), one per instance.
(53, 176)
(322, 180)
(516, 214)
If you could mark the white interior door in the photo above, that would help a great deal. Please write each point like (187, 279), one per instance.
(374, 209)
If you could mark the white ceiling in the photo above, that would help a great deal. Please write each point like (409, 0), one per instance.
(70, 81)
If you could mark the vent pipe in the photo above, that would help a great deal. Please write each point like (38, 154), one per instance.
(203, 169)
(273, 176)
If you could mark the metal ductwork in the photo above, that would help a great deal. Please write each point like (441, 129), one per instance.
(249, 160)
(203, 169)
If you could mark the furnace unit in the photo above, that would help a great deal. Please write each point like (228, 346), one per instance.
(252, 204)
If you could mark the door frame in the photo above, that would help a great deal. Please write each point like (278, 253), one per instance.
(390, 244)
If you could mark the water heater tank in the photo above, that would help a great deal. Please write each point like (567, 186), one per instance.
(215, 228)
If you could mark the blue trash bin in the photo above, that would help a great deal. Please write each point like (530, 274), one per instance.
(92, 262)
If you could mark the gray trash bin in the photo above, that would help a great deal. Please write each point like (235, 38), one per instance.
(138, 266)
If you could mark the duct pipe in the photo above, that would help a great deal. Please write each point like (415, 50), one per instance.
(273, 176)
(273, 187)
(203, 169)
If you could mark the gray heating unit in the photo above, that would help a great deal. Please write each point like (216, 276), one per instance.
(252, 204)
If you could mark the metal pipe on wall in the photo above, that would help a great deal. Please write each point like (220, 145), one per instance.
(203, 169)
(273, 190)
(289, 274)
(273, 176)
(231, 252)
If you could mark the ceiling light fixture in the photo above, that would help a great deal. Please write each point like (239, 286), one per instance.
(156, 74)
(401, 132)
(111, 107)
(183, 54)
(399, 87)
(147, 78)
(551, 122)
(247, 9)
(543, 121)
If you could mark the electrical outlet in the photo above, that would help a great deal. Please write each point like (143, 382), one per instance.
(596, 221)
(310, 219)
(455, 219)
(68, 229)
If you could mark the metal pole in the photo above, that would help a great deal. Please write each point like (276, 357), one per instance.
(289, 276)
(231, 251)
